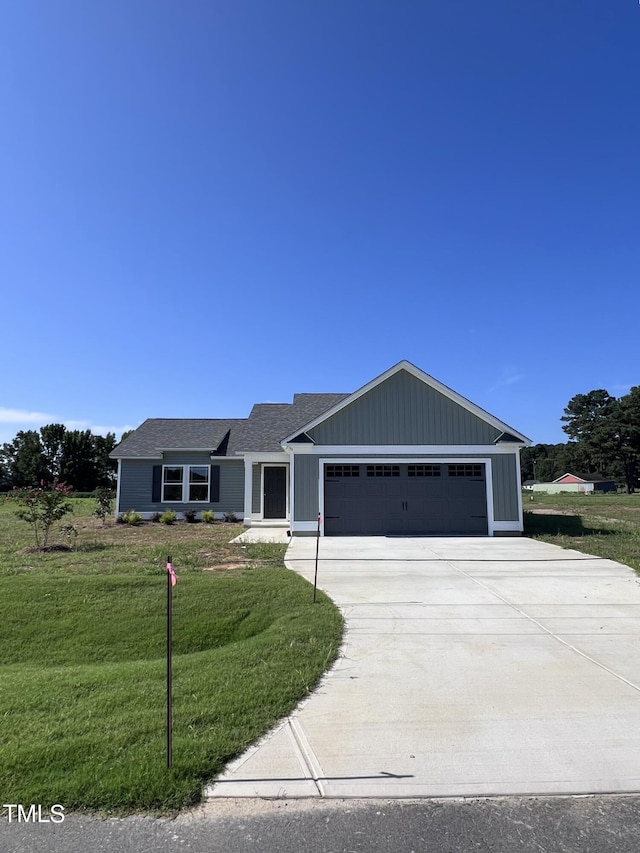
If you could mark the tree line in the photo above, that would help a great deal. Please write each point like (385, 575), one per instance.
(604, 439)
(75, 457)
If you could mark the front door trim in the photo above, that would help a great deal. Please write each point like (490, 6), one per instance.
(263, 494)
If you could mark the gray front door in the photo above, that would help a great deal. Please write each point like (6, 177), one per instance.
(275, 491)
(408, 499)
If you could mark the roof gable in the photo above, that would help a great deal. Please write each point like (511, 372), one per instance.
(406, 406)
(158, 434)
(262, 431)
(582, 478)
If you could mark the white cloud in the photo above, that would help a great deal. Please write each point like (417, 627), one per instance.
(97, 429)
(21, 416)
(22, 419)
(509, 376)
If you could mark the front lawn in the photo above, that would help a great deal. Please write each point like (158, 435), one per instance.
(82, 675)
(605, 525)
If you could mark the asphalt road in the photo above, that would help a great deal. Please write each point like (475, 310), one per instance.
(545, 825)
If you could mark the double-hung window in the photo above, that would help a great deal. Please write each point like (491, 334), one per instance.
(185, 483)
(198, 483)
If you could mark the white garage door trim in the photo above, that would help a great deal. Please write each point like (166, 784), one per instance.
(395, 460)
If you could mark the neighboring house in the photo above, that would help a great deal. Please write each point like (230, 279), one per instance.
(403, 455)
(529, 484)
(577, 483)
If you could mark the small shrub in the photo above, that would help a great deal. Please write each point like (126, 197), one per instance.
(156, 516)
(189, 516)
(132, 517)
(231, 517)
(168, 517)
(208, 516)
(41, 506)
(69, 532)
(104, 504)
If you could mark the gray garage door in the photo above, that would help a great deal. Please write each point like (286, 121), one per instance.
(412, 499)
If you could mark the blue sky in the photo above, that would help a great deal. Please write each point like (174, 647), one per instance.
(209, 204)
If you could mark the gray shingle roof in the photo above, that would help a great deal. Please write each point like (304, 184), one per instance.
(157, 434)
(269, 423)
(263, 430)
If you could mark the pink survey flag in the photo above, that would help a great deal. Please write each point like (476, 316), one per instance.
(174, 578)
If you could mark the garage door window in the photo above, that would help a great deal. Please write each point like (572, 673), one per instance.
(342, 471)
(383, 470)
(465, 470)
(424, 470)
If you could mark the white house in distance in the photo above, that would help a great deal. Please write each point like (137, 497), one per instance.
(582, 483)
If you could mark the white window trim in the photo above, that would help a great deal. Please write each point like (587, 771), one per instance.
(185, 484)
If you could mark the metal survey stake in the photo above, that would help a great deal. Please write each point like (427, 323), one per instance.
(171, 582)
(315, 578)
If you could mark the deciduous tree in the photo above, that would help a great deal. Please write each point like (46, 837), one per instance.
(52, 438)
(78, 465)
(41, 507)
(24, 459)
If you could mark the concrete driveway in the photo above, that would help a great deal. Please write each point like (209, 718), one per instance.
(471, 667)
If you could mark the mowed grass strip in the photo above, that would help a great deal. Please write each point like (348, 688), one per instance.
(602, 525)
(82, 677)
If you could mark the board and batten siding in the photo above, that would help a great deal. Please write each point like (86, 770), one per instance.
(503, 468)
(506, 488)
(403, 410)
(136, 481)
(305, 493)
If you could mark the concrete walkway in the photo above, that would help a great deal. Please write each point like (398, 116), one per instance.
(471, 667)
(263, 533)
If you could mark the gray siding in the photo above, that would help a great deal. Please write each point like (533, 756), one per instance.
(505, 488)
(403, 410)
(136, 483)
(503, 467)
(185, 458)
(305, 496)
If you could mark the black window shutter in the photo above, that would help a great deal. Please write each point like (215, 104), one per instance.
(156, 489)
(214, 485)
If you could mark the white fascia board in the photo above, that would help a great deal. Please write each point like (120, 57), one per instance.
(135, 458)
(403, 449)
(118, 485)
(428, 380)
(269, 456)
(186, 449)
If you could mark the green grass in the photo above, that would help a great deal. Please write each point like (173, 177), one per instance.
(602, 525)
(82, 679)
